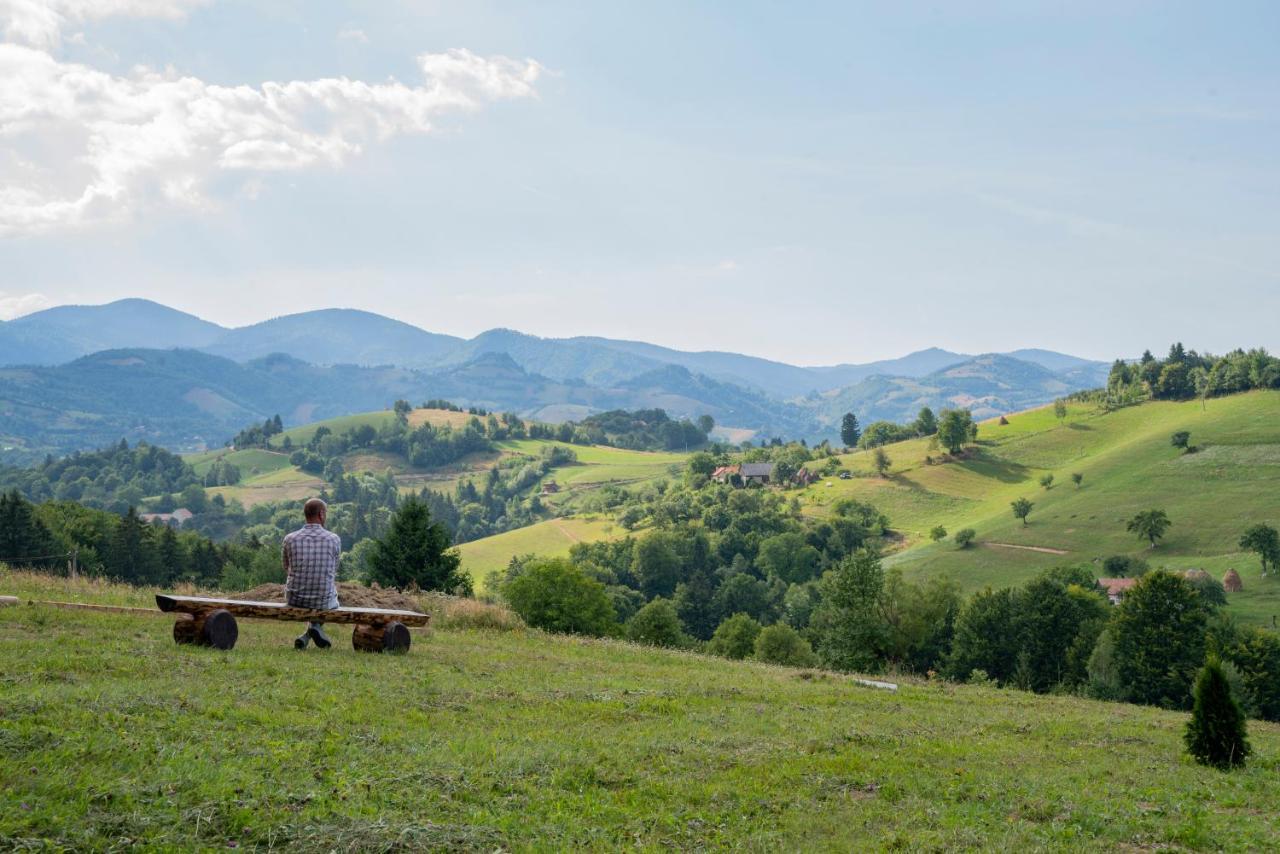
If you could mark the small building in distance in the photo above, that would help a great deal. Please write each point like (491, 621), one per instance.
(725, 474)
(758, 473)
(1115, 588)
(176, 519)
(550, 487)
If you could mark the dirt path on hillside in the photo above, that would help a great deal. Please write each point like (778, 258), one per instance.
(1043, 549)
(568, 536)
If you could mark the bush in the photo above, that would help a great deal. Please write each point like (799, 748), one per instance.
(735, 637)
(554, 595)
(657, 624)
(1123, 566)
(1216, 733)
(781, 644)
(964, 537)
(938, 533)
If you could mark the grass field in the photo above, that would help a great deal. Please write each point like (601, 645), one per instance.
(598, 464)
(302, 434)
(286, 484)
(113, 737)
(251, 462)
(551, 538)
(1128, 465)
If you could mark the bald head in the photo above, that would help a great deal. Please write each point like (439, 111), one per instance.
(315, 510)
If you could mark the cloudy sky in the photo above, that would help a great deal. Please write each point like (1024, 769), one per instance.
(811, 182)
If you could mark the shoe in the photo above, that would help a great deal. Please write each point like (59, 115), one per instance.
(317, 634)
(301, 641)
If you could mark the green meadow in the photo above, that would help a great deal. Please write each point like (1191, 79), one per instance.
(1128, 464)
(552, 538)
(114, 737)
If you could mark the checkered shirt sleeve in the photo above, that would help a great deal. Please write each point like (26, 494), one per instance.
(313, 567)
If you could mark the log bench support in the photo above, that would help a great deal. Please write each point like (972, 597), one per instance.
(212, 622)
(381, 637)
(216, 628)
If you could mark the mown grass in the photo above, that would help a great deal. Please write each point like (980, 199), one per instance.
(552, 538)
(113, 736)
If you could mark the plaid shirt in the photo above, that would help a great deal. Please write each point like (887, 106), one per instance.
(311, 556)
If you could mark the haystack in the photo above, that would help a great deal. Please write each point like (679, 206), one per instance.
(1231, 582)
(1195, 575)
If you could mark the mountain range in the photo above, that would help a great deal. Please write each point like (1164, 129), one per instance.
(81, 375)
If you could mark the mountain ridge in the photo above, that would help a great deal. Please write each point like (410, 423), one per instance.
(353, 336)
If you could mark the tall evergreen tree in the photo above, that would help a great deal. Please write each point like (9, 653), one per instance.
(1216, 734)
(849, 430)
(131, 554)
(24, 539)
(416, 550)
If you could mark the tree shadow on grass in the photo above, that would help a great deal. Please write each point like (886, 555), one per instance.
(1074, 426)
(1002, 470)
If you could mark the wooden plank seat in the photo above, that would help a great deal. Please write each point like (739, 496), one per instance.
(212, 622)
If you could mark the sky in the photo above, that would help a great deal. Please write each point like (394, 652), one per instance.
(815, 183)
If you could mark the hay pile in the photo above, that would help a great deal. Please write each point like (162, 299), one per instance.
(350, 594)
(1231, 582)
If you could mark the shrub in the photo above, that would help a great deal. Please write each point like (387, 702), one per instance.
(657, 624)
(1123, 566)
(938, 533)
(964, 537)
(1047, 481)
(554, 595)
(1216, 733)
(781, 644)
(735, 637)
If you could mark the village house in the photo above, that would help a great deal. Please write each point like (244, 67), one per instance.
(1115, 588)
(550, 488)
(758, 473)
(725, 474)
(176, 519)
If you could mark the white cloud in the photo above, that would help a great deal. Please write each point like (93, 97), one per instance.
(40, 22)
(16, 305)
(80, 146)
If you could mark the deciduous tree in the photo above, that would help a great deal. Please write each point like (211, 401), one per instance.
(1022, 509)
(1149, 525)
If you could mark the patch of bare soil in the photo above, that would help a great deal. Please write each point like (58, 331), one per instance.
(350, 594)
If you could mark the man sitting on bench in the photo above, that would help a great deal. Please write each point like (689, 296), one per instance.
(311, 570)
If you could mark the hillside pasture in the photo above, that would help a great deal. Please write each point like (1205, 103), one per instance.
(552, 538)
(251, 462)
(1211, 495)
(286, 484)
(115, 737)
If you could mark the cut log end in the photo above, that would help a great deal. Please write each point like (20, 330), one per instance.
(215, 628)
(388, 637)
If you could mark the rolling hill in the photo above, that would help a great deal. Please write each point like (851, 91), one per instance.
(1127, 464)
(190, 400)
(335, 336)
(60, 334)
(988, 386)
(514, 740)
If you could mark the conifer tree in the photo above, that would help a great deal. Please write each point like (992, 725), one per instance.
(1216, 734)
(24, 539)
(416, 550)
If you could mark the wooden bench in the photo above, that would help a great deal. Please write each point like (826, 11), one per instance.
(212, 622)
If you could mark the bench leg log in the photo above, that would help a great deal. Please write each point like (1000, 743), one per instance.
(216, 628)
(386, 637)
